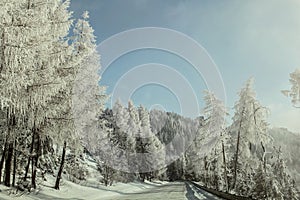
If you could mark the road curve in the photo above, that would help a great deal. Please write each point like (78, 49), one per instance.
(172, 191)
(195, 193)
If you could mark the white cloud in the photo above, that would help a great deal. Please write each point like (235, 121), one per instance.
(285, 116)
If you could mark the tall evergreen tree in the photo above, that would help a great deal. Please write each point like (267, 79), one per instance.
(151, 152)
(215, 134)
(35, 57)
(133, 131)
(294, 92)
(250, 127)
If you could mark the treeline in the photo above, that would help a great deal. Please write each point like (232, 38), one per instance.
(243, 160)
(137, 145)
(238, 158)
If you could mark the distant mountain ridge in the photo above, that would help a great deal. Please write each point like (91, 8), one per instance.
(290, 146)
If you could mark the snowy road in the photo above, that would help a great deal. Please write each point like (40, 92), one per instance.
(174, 191)
(195, 193)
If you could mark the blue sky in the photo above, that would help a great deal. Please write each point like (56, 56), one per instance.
(250, 38)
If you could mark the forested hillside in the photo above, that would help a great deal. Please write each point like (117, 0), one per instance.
(289, 143)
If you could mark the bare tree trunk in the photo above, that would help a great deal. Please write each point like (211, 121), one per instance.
(2, 51)
(10, 150)
(29, 157)
(35, 161)
(5, 144)
(15, 164)
(8, 161)
(237, 155)
(206, 172)
(236, 160)
(61, 166)
(261, 143)
(143, 176)
(216, 181)
(33, 184)
(3, 158)
(106, 176)
(225, 167)
(237, 152)
(264, 157)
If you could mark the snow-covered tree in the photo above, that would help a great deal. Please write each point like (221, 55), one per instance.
(119, 138)
(52, 54)
(82, 74)
(285, 184)
(16, 60)
(36, 53)
(158, 120)
(215, 134)
(90, 98)
(250, 127)
(38, 69)
(104, 150)
(294, 92)
(121, 117)
(150, 151)
(132, 133)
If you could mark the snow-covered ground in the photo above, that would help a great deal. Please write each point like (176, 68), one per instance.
(90, 189)
(120, 191)
(93, 189)
(71, 190)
